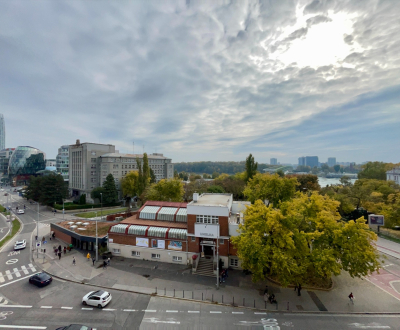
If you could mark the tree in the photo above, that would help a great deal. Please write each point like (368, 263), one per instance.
(373, 170)
(165, 190)
(270, 187)
(303, 168)
(130, 184)
(110, 194)
(336, 168)
(215, 189)
(96, 193)
(233, 184)
(307, 182)
(280, 173)
(215, 175)
(82, 199)
(206, 176)
(304, 239)
(251, 167)
(153, 178)
(325, 167)
(176, 175)
(315, 170)
(146, 171)
(47, 189)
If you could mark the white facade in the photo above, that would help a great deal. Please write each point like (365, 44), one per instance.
(393, 175)
(62, 162)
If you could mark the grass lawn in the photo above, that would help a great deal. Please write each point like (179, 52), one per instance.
(15, 227)
(105, 212)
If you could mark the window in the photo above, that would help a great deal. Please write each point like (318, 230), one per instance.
(155, 256)
(93, 160)
(193, 239)
(176, 258)
(221, 241)
(117, 251)
(135, 254)
(233, 262)
(207, 219)
(115, 166)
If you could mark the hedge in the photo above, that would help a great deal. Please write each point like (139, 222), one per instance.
(85, 206)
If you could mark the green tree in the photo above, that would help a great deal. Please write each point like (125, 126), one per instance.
(336, 168)
(307, 182)
(96, 193)
(130, 184)
(47, 189)
(302, 240)
(140, 186)
(82, 199)
(153, 178)
(303, 168)
(165, 190)
(251, 167)
(373, 170)
(270, 187)
(325, 167)
(146, 171)
(280, 173)
(215, 175)
(215, 189)
(110, 194)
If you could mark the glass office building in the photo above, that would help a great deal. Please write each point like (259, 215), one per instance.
(26, 161)
(2, 132)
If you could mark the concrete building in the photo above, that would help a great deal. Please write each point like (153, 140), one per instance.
(62, 162)
(5, 155)
(302, 161)
(393, 175)
(312, 161)
(2, 132)
(331, 161)
(273, 161)
(50, 163)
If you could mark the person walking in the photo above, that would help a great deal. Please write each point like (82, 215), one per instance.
(73, 261)
(65, 249)
(59, 255)
(88, 256)
(351, 297)
(93, 260)
(59, 248)
(298, 290)
(108, 261)
(104, 264)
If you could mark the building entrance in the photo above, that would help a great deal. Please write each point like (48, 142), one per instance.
(208, 251)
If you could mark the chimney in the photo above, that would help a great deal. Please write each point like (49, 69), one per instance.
(195, 197)
(78, 142)
(237, 218)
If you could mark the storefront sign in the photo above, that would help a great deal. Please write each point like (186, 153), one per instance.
(175, 245)
(110, 240)
(375, 219)
(142, 242)
(206, 230)
(157, 243)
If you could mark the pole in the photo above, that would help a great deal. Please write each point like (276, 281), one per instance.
(63, 210)
(97, 242)
(101, 199)
(217, 262)
(37, 230)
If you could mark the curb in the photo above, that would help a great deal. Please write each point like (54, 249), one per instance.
(20, 229)
(303, 287)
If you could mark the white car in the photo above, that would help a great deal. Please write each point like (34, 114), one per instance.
(21, 212)
(20, 245)
(98, 298)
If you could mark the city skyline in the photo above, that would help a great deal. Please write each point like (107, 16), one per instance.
(204, 81)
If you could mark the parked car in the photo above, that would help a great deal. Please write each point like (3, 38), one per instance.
(20, 245)
(98, 298)
(106, 255)
(21, 212)
(41, 279)
(76, 327)
(5, 194)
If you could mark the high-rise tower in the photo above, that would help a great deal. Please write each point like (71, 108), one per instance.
(2, 132)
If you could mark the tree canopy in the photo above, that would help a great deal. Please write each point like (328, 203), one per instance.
(165, 190)
(130, 184)
(110, 194)
(48, 190)
(251, 167)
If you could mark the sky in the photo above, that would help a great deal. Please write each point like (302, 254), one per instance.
(204, 80)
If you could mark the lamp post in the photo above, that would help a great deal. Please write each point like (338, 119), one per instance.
(101, 204)
(97, 242)
(217, 245)
(63, 210)
(37, 230)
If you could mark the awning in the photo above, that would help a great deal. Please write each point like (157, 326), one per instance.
(149, 212)
(177, 233)
(167, 213)
(181, 216)
(120, 228)
(157, 232)
(137, 230)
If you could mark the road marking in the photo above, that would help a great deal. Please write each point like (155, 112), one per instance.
(1, 278)
(108, 309)
(215, 312)
(16, 272)
(193, 311)
(8, 273)
(46, 306)
(21, 327)
(237, 312)
(22, 278)
(11, 261)
(129, 310)
(260, 313)
(172, 311)
(23, 268)
(17, 306)
(32, 268)
(149, 310)
(87, 309)
(66, 307)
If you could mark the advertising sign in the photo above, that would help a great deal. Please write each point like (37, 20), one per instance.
(175, 245)
(206, 230)
(375, 219)
(142, 242)
(157, 243)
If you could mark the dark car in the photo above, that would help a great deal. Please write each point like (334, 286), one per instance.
(75, 327)
(106, 255)
(41, 279)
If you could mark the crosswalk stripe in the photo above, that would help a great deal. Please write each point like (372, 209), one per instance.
(32, 268)
(1, 278)
(23, 268)
(8, 273)
(16, 272)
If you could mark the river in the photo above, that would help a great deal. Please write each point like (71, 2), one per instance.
(323, 182)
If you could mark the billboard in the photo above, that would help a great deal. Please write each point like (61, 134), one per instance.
(206, 230)
(142, 242)
(377, 220)
(157, 243)
(175, 245)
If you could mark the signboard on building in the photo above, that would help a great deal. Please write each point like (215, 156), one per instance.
(142, 241)
(375, 219)
(206, 230)
(175, 245)
(158, 243)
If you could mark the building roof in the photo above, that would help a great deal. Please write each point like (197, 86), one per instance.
(150, 156)
(154, 223)
(213, 200)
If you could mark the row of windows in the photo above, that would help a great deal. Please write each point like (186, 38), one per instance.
(207, 219)
(221, 240)
(153, 255)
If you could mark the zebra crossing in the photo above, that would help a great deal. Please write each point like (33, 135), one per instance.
(9, 275)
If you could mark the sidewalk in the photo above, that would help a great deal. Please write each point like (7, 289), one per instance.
(388, 247)
(174, 280)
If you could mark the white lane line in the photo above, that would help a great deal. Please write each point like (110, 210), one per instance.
(22, 278)
(16, 306)
(46, 306)
(21, 327)
(8, 273)
(215, 312)
(149, 310)
(63, 307)
(1, 278)
(16, 272)
(237, 312)
(108, 309)
(32, 268)
(172, 311)
(260, 313)
(87, 309)
(23, 268)
(129, 310)
(193, 311)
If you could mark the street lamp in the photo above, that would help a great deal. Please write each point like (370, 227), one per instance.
(97, 241)
(63, 209)
(101, 201)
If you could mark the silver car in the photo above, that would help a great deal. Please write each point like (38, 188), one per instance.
(98, 298)
(20, 245)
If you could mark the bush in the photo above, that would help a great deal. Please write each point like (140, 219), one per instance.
(85, 206)
(82, 199)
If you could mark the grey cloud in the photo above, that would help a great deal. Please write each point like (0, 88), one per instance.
(348, 39)
(297, 34)
(317, 20)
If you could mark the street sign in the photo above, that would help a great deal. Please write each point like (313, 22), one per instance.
(38, 244)
(44, 242)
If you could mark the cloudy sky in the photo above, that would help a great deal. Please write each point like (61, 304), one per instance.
(204, 80)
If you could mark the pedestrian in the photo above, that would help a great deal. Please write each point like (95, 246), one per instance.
(298, 290)
(108, 262)
(266, 289)
(295, 287)
(65, 249)
(88, 256)
(73, 261)
(223, 276)
(59, 255)
(59, 248)
(351, 297)
(93, 260)
(266, 296)
(104, 264)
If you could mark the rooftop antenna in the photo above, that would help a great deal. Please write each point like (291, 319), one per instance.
(133, 147)
(143, 149)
